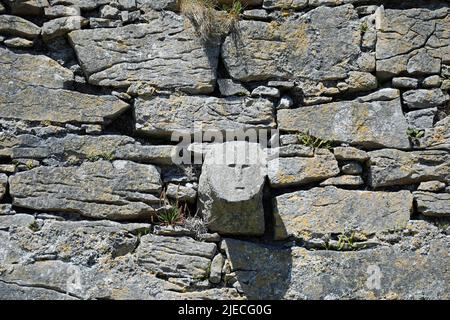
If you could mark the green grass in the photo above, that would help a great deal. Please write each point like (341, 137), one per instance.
(414, 133)
(313, 142)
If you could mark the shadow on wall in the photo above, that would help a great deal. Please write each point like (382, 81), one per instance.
(263, 271)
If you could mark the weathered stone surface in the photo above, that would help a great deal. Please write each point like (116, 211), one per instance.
(58, 11)
(283, 4)
(437, 137)
(230, 188)
(286, 172)
(162, 53)
(361, 81)
(3, 184)
(36, 93)
(312, 46)
(27, 7)
(16, 26)
(405, 83)
(348, 181)
(181, 193)
(433, 204)
(422, 98)
(73, 149)
(421, 119)
(163, 116)
(18, 43)
(228, 87)
(332, 210)
(390, 167)
(175, 257)
(433, 186)
(372, 124)
(350, 153)
(266, 272)
(61, 26)
(352, 167)
(117, 190)
(215, 275)
(411, 41)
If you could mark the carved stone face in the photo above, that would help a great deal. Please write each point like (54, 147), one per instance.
(236, 170)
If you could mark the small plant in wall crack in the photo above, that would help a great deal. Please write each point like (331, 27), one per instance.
(414, 135)
(172, 213)
(313, 142)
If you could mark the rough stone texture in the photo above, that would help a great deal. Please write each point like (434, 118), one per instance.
(349, 181)
(117, 190)
(230, 188)
(390, 167)
(72, 149)
(433, 204)
(297, 273)
(61, 26)
(350, 153)
(422, 98)
(163, 116)
(433, 186)
(372, 124)
(35, 93)
(413, 41)
(120, 56)
(437, 137)
(16, 26)
(3, 184)
(332, 210)
(313, 46)
(421, 119)
(294, 171)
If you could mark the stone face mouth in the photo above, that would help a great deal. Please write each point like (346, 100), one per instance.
(196, 149)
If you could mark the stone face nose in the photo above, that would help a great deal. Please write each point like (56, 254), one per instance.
(230, 195)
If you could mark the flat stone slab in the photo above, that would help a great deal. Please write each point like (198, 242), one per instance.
(163, 116)
(33, 90)
(433, 204)
(295, 171)
(332, 210)
(311, 45)
(115, 190)
(165, 53)
(372, 124)
(390, 167)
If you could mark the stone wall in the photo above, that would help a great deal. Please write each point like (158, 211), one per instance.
(350, 199)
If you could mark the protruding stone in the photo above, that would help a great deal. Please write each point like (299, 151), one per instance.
(16, 26)
(61, 26)
(119, 190)
(286, 172)
(181, 193)
(390, 167)
(215, 275)
(405, 83)
(372, 124)
(228, 87)
(432, 186)
(422, 98)
(350, 153)
(346, 181)
(421, 119)
(352, 168)
(332, 210)
(3, 184)
(230, 188)
(433, 204)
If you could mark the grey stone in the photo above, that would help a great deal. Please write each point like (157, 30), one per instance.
(437, 137)
(7, 168)
(310, 46)
(433, 204)
(6, 209)
(263, 91)
(422, 98)
(433, 186)
(405, 83)
(385, 94)
(14, 220)
(58, 11)
(266, 272)
(361, 81)
(230, 188)
(352, 168)
(287, 139)
(411, 41)
(348, 181)
(286, 102)
(109, 12)
(179, 257)
(2, 8)
(215, 275)
(27, 7)
(158, 4)
(18, 43)
(191, 66)
(350, 153)
(432, 82)
(389, 167)
(162, 116)
(3, 184)
(373, 124)
(285, 4)
(104, 23)
(256, 14)
(117, 191)
(16, 26)
(228, 87)
(294, 150)
(61, 26)
(421, 119)
(285, 172)
(43, 79)
(332, 210)
(182, 193)
(76, 148)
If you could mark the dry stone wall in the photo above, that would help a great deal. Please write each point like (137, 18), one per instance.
(349, 197)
